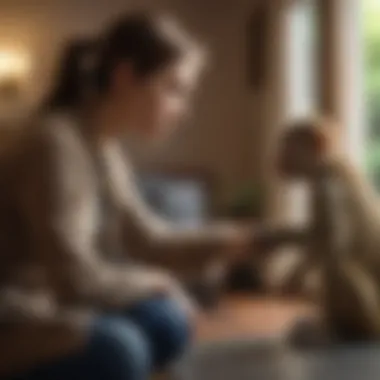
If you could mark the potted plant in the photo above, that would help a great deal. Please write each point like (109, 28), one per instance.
(246, 203)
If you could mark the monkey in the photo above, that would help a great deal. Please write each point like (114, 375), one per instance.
(342, 242)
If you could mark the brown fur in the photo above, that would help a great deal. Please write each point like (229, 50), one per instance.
(344, 241)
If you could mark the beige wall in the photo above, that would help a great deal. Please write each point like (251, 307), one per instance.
(223, 134)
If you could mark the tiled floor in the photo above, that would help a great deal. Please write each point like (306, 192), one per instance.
(245, 316)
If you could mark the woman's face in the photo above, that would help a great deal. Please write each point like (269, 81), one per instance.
(153, 106)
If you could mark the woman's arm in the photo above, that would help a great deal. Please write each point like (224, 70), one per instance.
(54, 191)
(163, 243)
(158, 241)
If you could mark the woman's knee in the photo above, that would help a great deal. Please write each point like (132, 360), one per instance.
(121, 349)
(167, 327)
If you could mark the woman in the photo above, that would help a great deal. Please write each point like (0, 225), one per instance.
(74, 304)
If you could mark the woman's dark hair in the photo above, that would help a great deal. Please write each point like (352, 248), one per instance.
(148, 42)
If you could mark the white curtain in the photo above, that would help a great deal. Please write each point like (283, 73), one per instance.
(353, 110)
(301, 88)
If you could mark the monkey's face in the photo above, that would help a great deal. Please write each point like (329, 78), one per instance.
(298, 158)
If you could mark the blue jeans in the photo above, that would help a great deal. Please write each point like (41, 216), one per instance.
(125, 346)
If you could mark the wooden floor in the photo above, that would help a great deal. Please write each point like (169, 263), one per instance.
(245, 316)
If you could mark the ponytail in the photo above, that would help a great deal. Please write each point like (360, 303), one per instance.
(75, 76)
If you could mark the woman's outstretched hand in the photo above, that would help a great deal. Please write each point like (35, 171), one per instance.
(246, 241)
(270, 238)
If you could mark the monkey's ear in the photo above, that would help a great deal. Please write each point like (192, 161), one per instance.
(321, 140)
(327, 136)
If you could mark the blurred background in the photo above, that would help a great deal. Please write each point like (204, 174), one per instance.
(270, 61)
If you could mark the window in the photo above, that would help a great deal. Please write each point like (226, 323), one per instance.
(371, 40)
(301, 86)
(302, 65)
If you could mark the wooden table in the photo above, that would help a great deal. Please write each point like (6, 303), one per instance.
(248, 316)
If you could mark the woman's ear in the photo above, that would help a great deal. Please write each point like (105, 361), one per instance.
(320, 141)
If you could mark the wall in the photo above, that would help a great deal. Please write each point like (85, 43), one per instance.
(222, 136)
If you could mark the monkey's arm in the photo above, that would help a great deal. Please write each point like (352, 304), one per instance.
(269, 238)
(363, 211)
